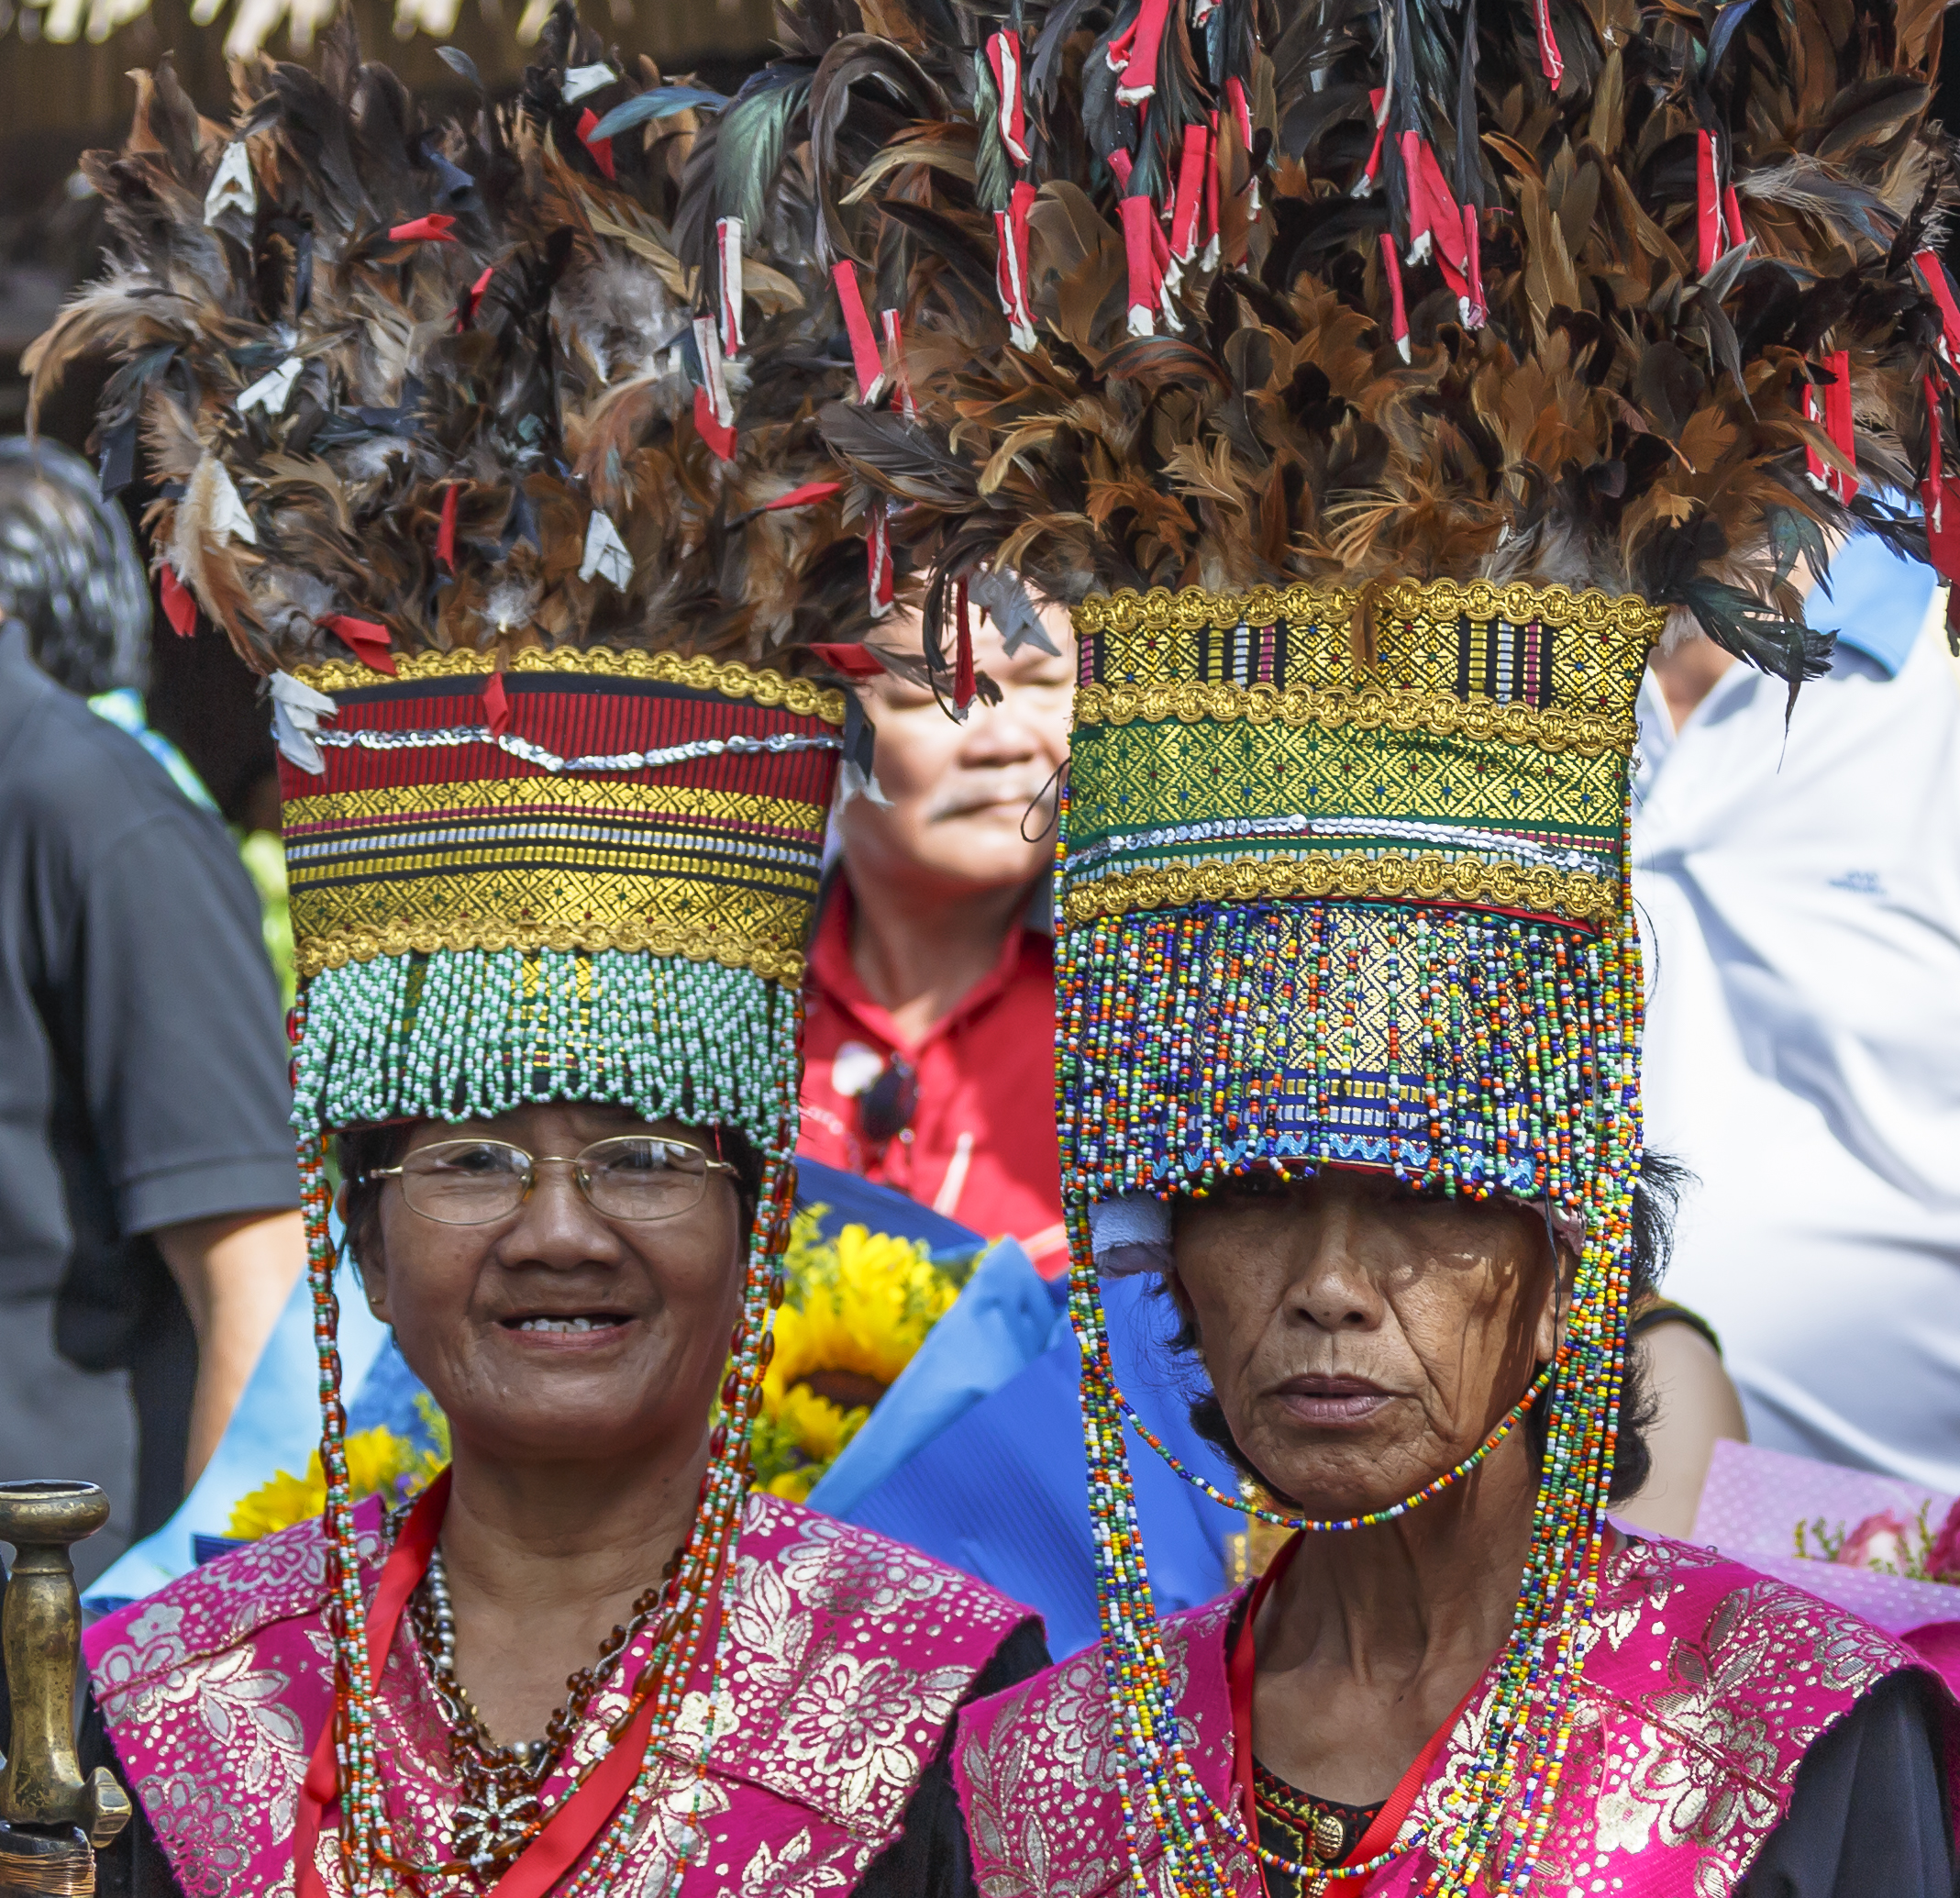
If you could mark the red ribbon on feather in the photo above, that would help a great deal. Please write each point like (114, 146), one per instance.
(1551, 60)
(888, 321)
(1378, 104)
(718, 435)
(1242, 117)
(1190, 203)
(1837, 417)
(445, 528)
(467, 303)
(1732, 216)
(1134, 52)
(729, 275)
(853, 662)
(432, 229)
(802, 497)
(1141, 235)
(1212, 161)
(1834, 412)
(1398, 311)
(1010, 268)
(857, 327)
(1003, 56)
(964, 686)
(877, 560)
(1933, 273)
(179, 608)
(601, 149)
(369, 641)
(1436, 220)
(1940, 495)
(1708, 204)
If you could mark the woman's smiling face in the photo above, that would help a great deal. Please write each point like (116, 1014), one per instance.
(555, 1334)
(1362, 1340)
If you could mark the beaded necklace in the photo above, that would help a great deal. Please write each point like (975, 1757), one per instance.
(498, 1812)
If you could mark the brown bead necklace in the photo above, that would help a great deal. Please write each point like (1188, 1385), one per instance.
(499, 1811)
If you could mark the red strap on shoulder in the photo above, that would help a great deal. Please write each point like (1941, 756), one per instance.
(1238, 1677)
(568, 1835)
(1388, 1821)
(407, 1563)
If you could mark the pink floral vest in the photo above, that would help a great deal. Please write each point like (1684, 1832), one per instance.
(1702, 1685)
(843, 1656)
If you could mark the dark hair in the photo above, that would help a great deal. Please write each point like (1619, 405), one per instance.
(1655, 1198)
(70, 571)
(362, 1149)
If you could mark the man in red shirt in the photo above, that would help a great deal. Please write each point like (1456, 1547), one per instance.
(930, 1047)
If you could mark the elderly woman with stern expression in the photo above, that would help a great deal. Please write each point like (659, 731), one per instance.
(1382, 1146)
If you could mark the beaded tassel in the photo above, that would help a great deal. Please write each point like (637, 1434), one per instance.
(1515, 1044)
(460, 1036)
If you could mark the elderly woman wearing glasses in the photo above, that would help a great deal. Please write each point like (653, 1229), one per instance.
(555, 823)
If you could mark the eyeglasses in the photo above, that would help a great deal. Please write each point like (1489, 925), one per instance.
(886, 1107)
(477, 1183)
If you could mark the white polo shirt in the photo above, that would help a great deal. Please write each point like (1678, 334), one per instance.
(1801, 911)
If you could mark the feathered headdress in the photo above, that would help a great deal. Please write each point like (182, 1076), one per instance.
(1226, 295)
(411, 388)
(496, 447)
(1376, 379)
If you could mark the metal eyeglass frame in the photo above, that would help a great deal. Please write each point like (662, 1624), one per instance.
(710, 1164)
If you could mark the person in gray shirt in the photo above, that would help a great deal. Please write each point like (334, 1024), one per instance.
(148, 1222)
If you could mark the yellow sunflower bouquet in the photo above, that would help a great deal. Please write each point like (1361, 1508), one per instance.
(856, 1310)
(379, 1462)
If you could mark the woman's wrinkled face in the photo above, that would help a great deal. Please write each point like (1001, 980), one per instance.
(557, 1334)
(1362, 1340)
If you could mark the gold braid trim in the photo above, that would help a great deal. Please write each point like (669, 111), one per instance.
(803, 697)
(335, 949)
(1550, 728)
(1392, 877)
(1302, 603)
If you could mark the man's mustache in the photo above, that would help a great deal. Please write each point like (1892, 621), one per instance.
(1017, 788)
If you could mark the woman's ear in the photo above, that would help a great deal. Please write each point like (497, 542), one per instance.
(1182, 1299)
(1557, 1309)
(374, 1282)
(370, 1259)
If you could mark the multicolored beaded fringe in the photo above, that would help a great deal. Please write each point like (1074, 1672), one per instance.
(1468, 1052)
(1456, 1049)
(404, 1037)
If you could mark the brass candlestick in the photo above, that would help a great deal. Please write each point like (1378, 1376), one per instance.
(52, 1819)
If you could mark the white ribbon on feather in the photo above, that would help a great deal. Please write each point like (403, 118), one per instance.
(232, 185)
(580, 80)
(605, 552)
(297, 710)
(273, 389)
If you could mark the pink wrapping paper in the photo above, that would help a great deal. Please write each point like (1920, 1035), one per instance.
(1754, 1498)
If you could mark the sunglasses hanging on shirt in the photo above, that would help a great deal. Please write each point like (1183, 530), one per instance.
(886, 1107)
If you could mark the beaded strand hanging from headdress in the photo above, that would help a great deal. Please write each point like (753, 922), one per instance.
(1378, 380)
(526, 515)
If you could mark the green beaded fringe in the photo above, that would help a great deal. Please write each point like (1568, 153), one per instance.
(468, 1034)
